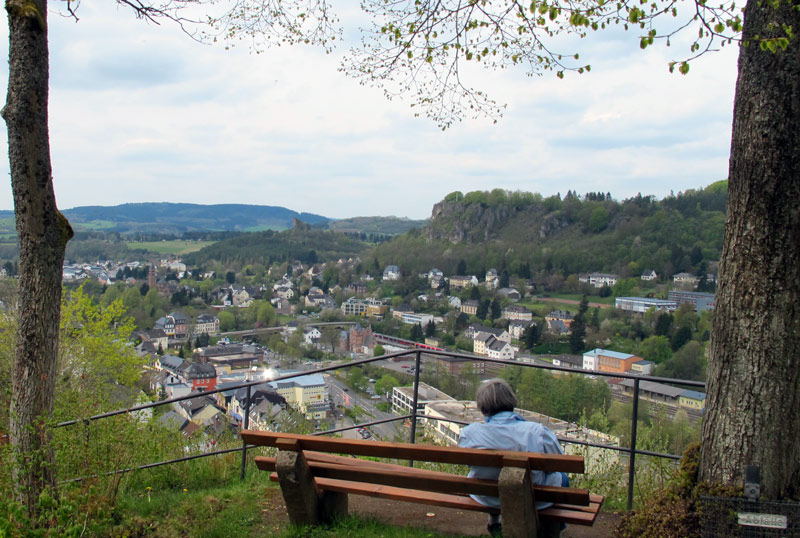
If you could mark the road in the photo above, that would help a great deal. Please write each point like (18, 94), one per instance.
(343, 396)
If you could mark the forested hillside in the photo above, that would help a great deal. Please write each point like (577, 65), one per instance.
(524, 233)
(300, 243)
(177, 218)
(375, 228)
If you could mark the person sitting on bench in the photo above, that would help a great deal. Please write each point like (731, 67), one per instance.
(504, 429)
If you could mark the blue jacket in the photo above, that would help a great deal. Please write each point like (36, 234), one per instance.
(509, 431)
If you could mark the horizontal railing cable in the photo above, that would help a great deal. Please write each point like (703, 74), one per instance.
(631, 451)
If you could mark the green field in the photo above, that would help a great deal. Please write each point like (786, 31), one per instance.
(95, 225)
(177, 247)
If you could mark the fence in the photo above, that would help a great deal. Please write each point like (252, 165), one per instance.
(631, 451)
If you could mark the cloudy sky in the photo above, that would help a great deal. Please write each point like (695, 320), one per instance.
(142, 113)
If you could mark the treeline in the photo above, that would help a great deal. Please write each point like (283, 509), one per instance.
(301, 243)
(523, 232)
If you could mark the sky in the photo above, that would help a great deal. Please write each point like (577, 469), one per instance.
(142, 113)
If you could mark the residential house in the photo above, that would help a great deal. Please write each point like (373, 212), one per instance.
(206, 324)
(436, 278)
(200, 376)
(311, 335)
(283, 307)
(517, 312)
(557, 326)
(454, 302)
(284, 292)
(325, 302)
(463, 281)
(598, 280)
(357, 288)
(481, 341)
(174, 324)
(166, 324)
(497, 349)
(568, 361)
(649, 274)
(564, 316)
(510, 293)
(476, 328)
(517, 327)
(392, 272)
(470, 307)
(258, 393)
(685, 279)
(492, 279)
(264, 415)
(157, 337)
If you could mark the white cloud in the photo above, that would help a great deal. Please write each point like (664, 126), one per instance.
(143, 113)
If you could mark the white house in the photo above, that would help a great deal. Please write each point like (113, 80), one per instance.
(392, 272)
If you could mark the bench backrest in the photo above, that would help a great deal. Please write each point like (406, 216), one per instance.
(410, 451)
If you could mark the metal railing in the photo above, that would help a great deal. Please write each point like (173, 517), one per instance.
(632, 451)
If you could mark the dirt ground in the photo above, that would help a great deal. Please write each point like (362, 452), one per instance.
(456, 521)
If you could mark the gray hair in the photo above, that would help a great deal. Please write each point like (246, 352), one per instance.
(494, 396)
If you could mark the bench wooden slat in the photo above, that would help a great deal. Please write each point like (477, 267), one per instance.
(456, 455)
(353, 469)
(571, 516)
(574, 515)
(446, 500)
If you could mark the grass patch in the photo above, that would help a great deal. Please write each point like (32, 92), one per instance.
(355, 527)
(95, 225)
(177, 247)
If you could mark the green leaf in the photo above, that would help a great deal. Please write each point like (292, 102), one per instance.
(684, 68)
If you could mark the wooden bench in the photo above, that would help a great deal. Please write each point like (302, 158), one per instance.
(315, 481)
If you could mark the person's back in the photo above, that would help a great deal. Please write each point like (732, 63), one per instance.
(504, 429)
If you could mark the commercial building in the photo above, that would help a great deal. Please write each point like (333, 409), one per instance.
(700, 300)
(643, 304)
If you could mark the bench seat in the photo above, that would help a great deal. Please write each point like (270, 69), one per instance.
(334, 475)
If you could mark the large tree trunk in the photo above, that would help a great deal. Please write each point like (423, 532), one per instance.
(753, 413)
(43, 234)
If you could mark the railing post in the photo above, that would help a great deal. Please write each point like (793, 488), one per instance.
(632, 458)
(245, 425)
(417, 367)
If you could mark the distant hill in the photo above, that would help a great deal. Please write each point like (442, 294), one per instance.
(525, 233)
(375, 226)
(176, 218)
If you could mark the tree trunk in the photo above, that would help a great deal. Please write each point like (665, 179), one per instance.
(43, 233)
(753, 412)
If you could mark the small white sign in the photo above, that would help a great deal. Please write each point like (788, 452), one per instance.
(772, 521)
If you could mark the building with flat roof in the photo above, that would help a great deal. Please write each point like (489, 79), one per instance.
(603, 360)
(443, 423)
(700, 300)
(307, 393)
(403, 398)
(643, 304)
